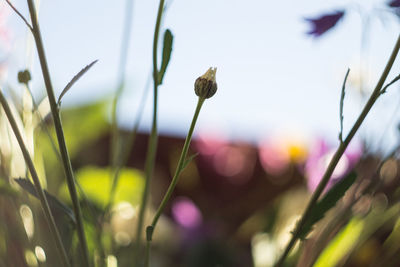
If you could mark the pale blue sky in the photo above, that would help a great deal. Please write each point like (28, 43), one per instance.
(272, 78)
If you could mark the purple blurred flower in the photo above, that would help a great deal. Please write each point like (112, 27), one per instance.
(324, 23)
(394, 3)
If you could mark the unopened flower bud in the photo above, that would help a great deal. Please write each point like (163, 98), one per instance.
(206, 85)
(24, 76)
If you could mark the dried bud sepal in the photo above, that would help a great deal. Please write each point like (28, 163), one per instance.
(206, 86)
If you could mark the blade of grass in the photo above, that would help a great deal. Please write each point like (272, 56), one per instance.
(327, 202)
(54, 203)
(74, 80)
(39, 190)
(59, 131)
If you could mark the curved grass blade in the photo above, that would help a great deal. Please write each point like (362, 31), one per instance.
(54, 203)
(327, 202)
(74, 80)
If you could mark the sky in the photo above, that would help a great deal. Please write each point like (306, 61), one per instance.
(273, 79)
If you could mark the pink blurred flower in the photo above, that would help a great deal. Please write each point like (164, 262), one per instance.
(208, 144)
(319, 158)
(233, 161)
(276, 154)
(186, 213)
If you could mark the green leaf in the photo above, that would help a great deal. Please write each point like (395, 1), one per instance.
(166, 54)
(74, 80)
(55, 205)
(327, 202)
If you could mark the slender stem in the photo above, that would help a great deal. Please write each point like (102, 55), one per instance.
(181, 164)
(152, 146)
(338, 154)
(115, 144)
(128, 147)
(20, 15)
(118, 157)
(39, 190)
(59, 132)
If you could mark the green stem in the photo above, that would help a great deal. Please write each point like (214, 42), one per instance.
(59, 132)
(128, 147)
(152, 146)
(39, 190)
(118, 157)
(181, 164)
(115, 144)
(338, 154)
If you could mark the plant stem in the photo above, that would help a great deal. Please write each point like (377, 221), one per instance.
(115, 144)
(60, 133)
(338, 154)
(128, 147)
(39, 190)
(181, 165)
(152, 146)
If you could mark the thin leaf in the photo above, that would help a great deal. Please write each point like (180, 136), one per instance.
(327, 202)
(188, 160)
(341, 105)
(74, 80)
(166, 55)
(389, 84)
(54, 203)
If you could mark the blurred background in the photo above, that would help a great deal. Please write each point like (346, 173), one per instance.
(285, 82)
(263, 141)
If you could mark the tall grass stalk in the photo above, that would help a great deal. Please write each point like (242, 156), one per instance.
(152, 145)
(338, 154)
(39, 190)
(59, 131)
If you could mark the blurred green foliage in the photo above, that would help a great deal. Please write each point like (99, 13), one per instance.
(96, 183)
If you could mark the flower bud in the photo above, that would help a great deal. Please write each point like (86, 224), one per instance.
(24, 76)
(206, 86)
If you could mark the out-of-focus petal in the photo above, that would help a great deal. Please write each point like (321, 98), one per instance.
(324, 23)
(319, 158)
(394, 3)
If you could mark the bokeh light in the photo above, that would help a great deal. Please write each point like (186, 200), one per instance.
(186, 213)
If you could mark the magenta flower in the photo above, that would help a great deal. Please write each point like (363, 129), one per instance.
(394, 3)
(324, 23)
